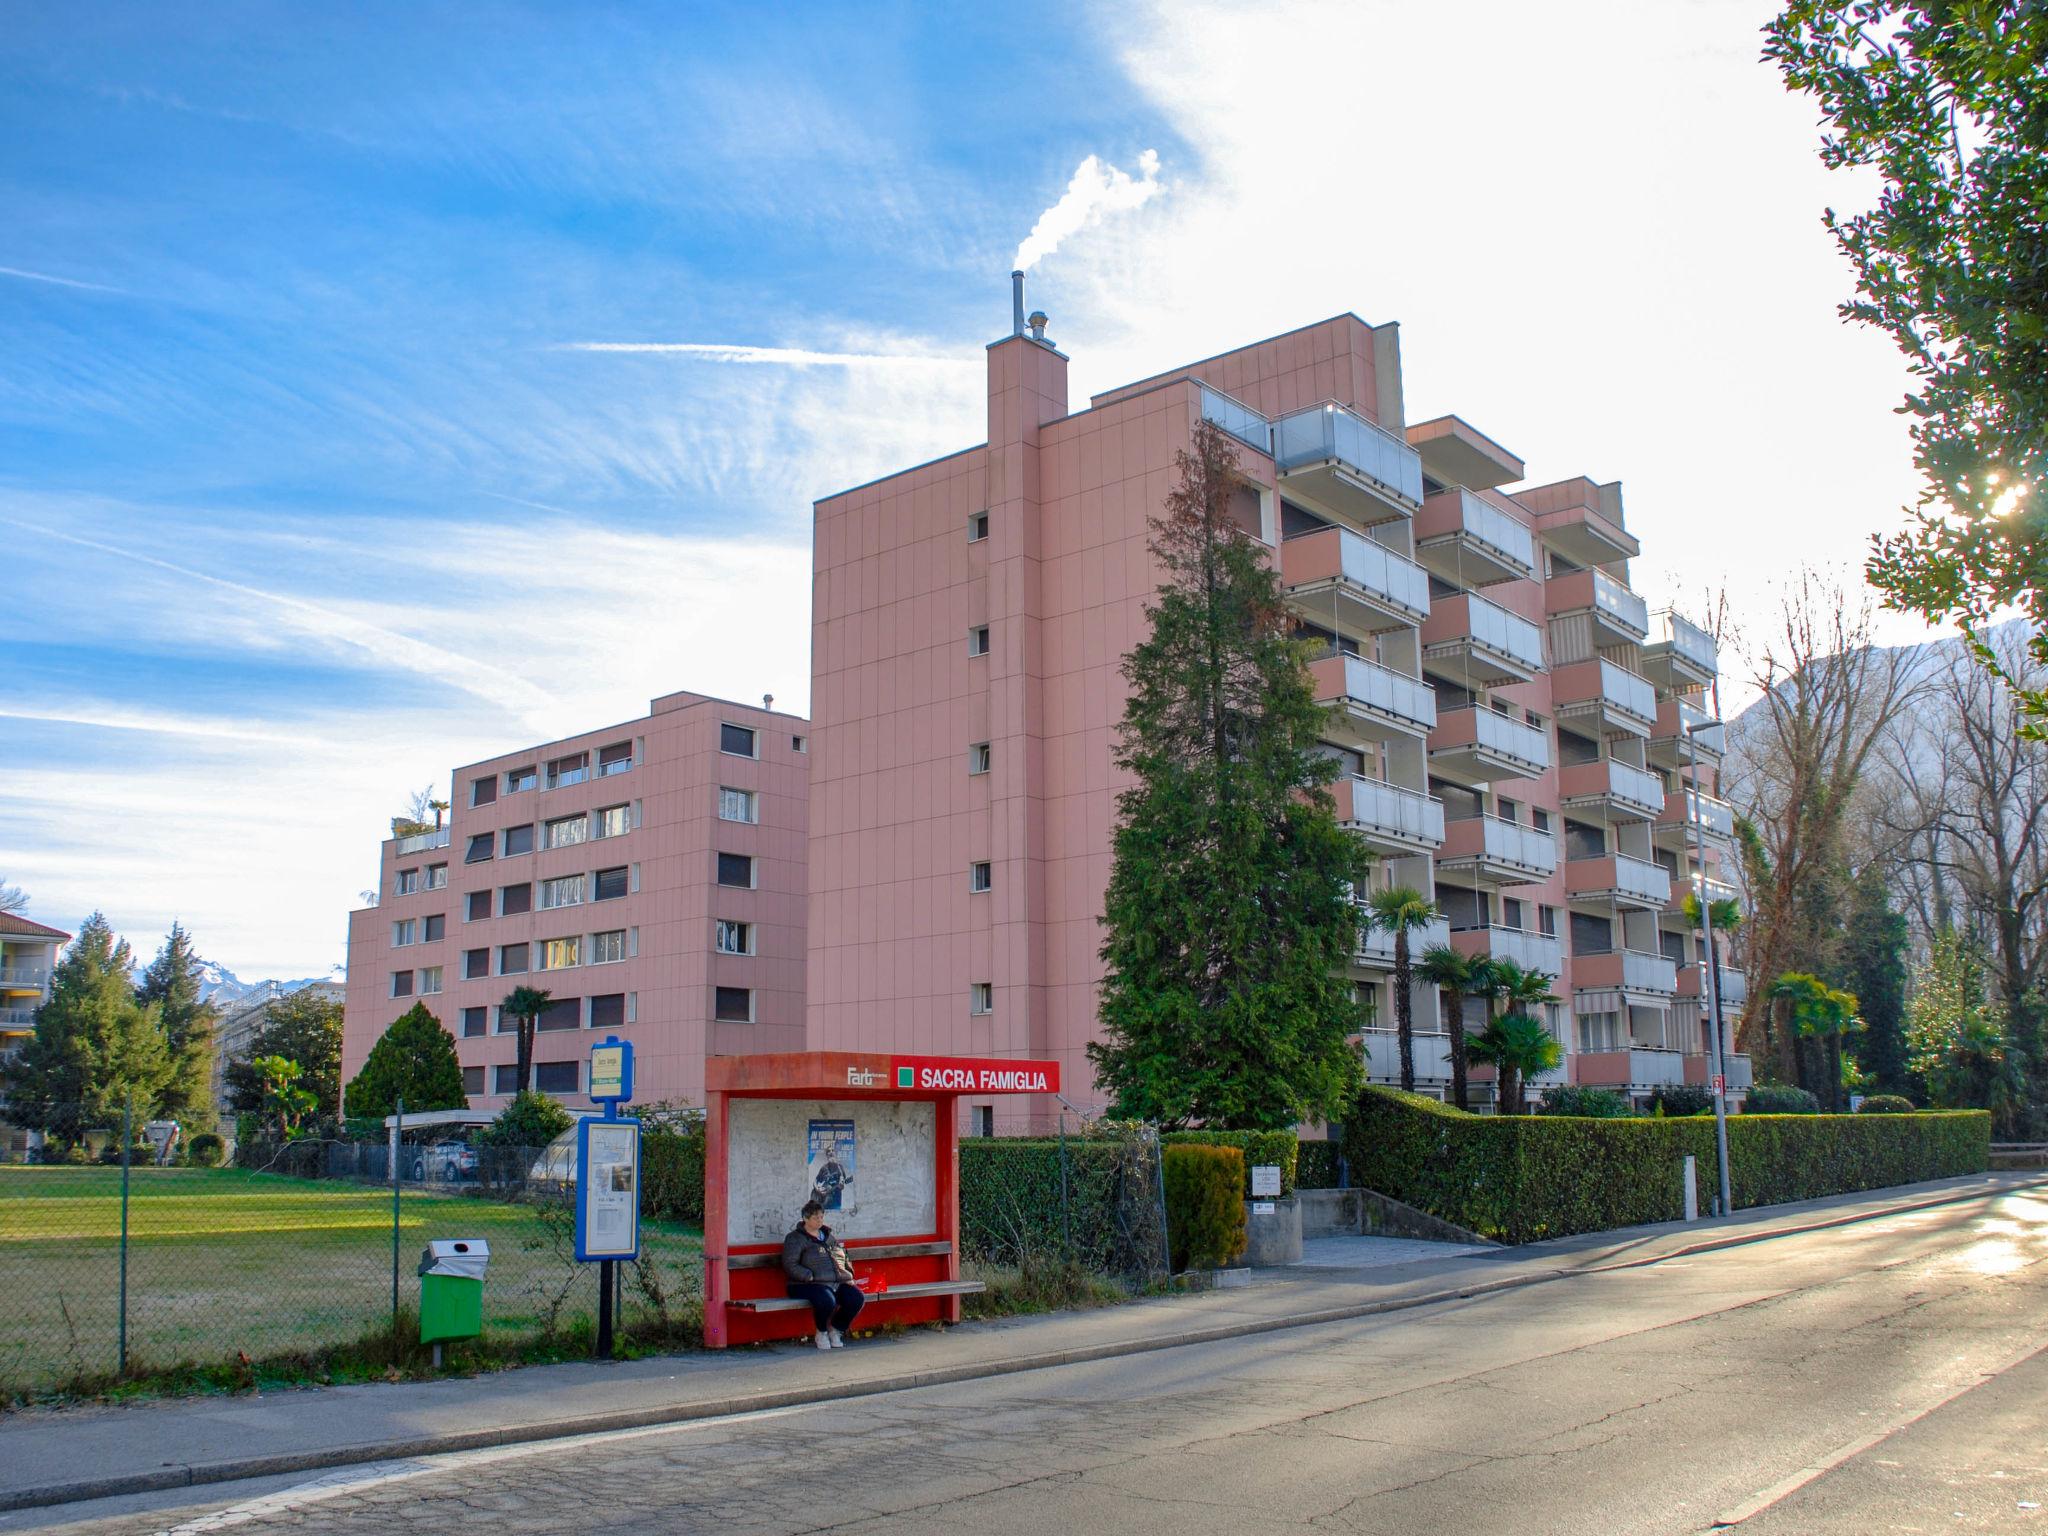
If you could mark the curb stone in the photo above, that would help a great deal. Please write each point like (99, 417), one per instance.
(241, 1469)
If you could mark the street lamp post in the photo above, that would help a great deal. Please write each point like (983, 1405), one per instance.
(1718, 1058)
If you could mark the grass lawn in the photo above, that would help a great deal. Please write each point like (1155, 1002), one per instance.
(224, 1262)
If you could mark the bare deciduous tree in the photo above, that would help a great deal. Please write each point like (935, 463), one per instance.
(12, 898)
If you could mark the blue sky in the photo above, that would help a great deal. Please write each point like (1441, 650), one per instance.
(310, 488)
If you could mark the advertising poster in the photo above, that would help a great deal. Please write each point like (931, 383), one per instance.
(608, 1208)
(829, 1162)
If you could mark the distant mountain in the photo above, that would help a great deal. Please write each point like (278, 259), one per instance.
(222, 987)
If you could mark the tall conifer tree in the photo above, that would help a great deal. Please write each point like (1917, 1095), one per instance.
(1229, 910)
(172, 983)
(95, 1048)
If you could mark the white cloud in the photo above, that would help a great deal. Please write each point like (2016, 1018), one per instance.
(788, 357)
(62, 282)
(1096, 188)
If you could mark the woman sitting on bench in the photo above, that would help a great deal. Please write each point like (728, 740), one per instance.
(815, 1264)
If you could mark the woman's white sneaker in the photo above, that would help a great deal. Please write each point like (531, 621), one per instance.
(837, 1341)
(823, 1338)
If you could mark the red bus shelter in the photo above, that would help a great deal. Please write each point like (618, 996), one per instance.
(876, 1139)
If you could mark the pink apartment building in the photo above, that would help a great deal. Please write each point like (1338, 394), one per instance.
(1507, 713)
(650, 876)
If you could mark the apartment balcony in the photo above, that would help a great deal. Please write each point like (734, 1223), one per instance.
(1611, 697)
(1473, 746)
(1357, 586)
(1637, 1067)
(1478, 644)
(420, 842)
(1612, 786)
(1710, 889)
(1470, 542)
(1238, 419)
(1364, 474)
(17, 1018)
(1678, 653)
(1457, 453)
(1617, 615)
(1389, 818)
(1675, 821)
(1489, 850)
(24, 978)
(1431, 1055)
(1376, 947)
(1735, 1067)
(1734, 988)
(1376, 703)
(1679, 721)
(1624, 970)
(1583, 522)
(1618, 879)
(1532, 951)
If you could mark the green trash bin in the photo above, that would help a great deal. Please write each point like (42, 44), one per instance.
(452, 1288)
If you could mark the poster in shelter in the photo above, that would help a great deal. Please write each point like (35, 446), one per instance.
(829, 1161)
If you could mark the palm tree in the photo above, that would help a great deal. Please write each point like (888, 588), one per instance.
(1518, 1047)
(1401, 909)
(1520, 989)
(526, 1004)
(1724, 916)
(1456, 975)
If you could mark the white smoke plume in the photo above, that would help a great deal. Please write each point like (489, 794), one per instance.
(1096, 188)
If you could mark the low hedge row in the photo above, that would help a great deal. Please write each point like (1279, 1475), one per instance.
(1268, 1147)
(1018, 1208)
(1522, 1178)
(1205, 1214)
(1315, 1165)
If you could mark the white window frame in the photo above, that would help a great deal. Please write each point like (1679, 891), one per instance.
(428, 980)
(980, 639)
(977, 527)
(407, 883)
(598, 946)
(753, 737)
(575, 962)
(405, 933)
(600, 820)
(549, 835)
(751, 1008)
(981, 758)
(753, 871)
(981, 877)
(580, 882)
(408, 992)
(727, 925)
(981, 998)
(436, 876)
(746, 801)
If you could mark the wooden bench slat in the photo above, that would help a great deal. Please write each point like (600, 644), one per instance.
(911, 1292)
(877, 1251)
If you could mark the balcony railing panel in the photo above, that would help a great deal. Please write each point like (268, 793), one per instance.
(24, 975)
(1685, 638)
(1639, 877)
(1483, 521)
(1238, 419)
(1376, 945)
(1331, 432)
(1532, 951)
(1507, 633)
(1500, 841)
(1621, 605)
(419, 842)
(1404, 813)
(1624, 690)
(1375, 687)
(1498, 733)
(1717, 817)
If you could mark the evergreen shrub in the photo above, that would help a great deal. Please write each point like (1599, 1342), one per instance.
(1017, 1211)
(672, 1162)
(1269, 1147)
(205, 1150)
(1586, 1103)
(1519, 1179)
(1677, 1099)
(1205, 1214)
(1315, 1165)
(1885, 1104)
(1780, 1099)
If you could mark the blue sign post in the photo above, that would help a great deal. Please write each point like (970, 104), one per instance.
(608, 1178)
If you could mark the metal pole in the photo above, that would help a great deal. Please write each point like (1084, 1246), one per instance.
(127, 1140)
(1710, 973)
(1066, 1199)
(397, 1145)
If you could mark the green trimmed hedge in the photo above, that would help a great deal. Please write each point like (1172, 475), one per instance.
(1519, 1179)
(1016, 1211)
(1281, 1147)
(1205, 1215)
(672, 1163)
(1315, 1165)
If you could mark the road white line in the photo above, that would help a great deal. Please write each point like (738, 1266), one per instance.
(1817, 1469)
(375, 1473)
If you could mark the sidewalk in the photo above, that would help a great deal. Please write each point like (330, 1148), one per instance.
(62, 1456)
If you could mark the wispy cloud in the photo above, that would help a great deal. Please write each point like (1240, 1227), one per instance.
(788, 357)
(116, 717)
(1096, 188)
(62, 282)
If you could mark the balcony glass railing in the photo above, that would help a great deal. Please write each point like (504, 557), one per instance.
(17, 1018)
(1383, 573)
(1531, 951)
(1486, 523)
(617, 766)
(1331, 432)
(1507, 634)
(1390, 692)
(1238, 419)
(1507, 737)
(419, 842)
(1623, 690)
(1686, 638)
(1405, 813)
(1511, 842)
(24, 975)
(1619, 603)
(1377, 944)
(1636, 785)
(1642, 879)
(1716, 816)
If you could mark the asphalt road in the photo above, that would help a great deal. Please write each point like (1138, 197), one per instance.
(1886, 1376)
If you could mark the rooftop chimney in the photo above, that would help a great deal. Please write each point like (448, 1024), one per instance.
(1017, 302)
(767, 701)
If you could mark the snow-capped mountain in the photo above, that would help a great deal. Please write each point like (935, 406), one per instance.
(218, 984)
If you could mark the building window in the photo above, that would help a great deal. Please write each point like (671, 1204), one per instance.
(573, 769)
(735, 938)
(608, 1010)
(434, 926)
(514, 900)
(979, 876)
(505, 1079)
(1510, 912)
(562, 1013)
(472, 1082)
(557, 1076)
(565, 831)
(738, 805)
(512, 959)
(476, 963)
(1546, 921)
(401, 983)
(617, 758)
(476, 906)
(566, 891)
(736, 870)
(733, 1005)
(610, 884)
(430, 980)
(609, 947)
(981, 1120)
(1602, 1032)
(977, 528)
(408, 881)
(561, 954)
(403, 933)
(977, 640)
(475, 1021)
(736, 741)
(1539, 818)
(613, 821)
(981, 997)
(517, 779)
(479, 849)
(980, 757)
(518, 840)
(437, 876)
(799, 744)
(484, 791)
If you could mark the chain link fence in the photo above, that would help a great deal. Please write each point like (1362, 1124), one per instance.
(304, 1256)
